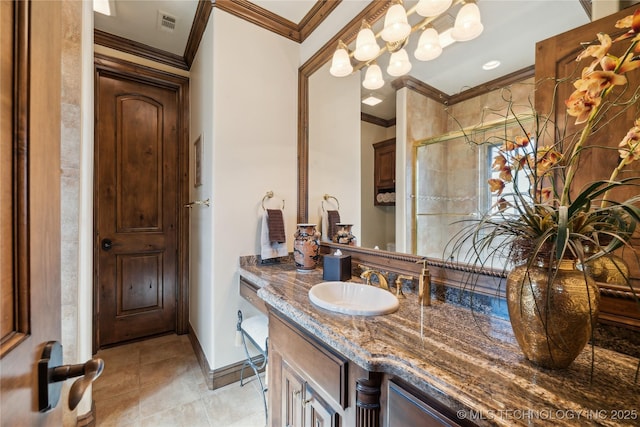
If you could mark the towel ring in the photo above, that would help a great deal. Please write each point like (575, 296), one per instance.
(327, 197)
(268, 196)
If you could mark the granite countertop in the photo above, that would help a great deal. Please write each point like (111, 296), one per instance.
(468, 361)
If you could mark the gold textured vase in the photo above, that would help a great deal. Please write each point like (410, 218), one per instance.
(552, 312)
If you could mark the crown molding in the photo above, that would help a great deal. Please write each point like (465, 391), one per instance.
(433, 93)
(268, 20)
(122, 44)
(370, 118)
(138, 49)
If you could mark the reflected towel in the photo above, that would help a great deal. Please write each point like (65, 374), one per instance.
(275, 223)
(329, 221)
(270, 250)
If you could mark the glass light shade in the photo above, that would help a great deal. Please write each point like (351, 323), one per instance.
(341, 63)
(468, 25)
(366, 46)
(399, 64)
(373, 78)
(428, 45)
(396, 26)
(432, 7)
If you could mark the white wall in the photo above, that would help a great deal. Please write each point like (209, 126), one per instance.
(244, 104)
(334, 145)
(378, 222)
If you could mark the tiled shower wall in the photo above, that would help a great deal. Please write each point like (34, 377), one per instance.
(448, 188)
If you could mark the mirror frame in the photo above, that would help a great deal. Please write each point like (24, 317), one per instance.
(371, 13)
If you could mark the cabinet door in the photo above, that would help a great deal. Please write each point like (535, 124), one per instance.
(408, 410)
(292, 388)
(385, 164)
(317, 412)
(384, 172)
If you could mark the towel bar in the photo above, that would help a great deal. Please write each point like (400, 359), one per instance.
(327, 197)
(268, 196)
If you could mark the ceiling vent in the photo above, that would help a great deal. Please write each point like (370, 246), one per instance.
(166, 21)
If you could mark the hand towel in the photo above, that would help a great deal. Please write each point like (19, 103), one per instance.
(268, 249)
(333, 218)
(324, 228)
(275, 223)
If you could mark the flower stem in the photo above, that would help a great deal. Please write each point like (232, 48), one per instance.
(573, 160)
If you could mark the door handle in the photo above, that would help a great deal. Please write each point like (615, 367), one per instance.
(106, 244)
(51, 374)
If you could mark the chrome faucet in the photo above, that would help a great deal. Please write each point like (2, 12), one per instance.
(382, 278)
(399, 279)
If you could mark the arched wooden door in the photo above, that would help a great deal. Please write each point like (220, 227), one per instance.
(137, 207)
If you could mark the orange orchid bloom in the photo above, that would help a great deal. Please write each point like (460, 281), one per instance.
(499, 162)
(544, 194)
(518, 142)
(631, 21)
(595, 82)
(496, 185)
(597, 51)
(503, 204)
(505, 174)
(580, 105)
(629, 147)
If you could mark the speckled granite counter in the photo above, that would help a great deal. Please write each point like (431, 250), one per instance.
(470, 362)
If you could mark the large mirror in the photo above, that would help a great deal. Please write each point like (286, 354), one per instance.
(337, 131)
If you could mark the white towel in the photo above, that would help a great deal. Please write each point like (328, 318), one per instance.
(267, 249)
(257, 327)
(325, 227)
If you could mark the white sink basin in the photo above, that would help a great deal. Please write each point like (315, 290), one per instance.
(353, 298)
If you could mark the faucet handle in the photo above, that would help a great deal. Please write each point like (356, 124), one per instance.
(399, 279)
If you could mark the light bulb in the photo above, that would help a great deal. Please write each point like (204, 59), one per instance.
(366, 46)
(467, 25)
(432, 7)
(396, 26)
(373, 78)
(428, 45)
(399, 64)
(341, 63)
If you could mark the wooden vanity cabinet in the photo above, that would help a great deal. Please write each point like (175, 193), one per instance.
(384, 170)
(313, 386)
(313, 380)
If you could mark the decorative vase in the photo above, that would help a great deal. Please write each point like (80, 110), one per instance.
(344, 235)
(306, 247)
(552, 312)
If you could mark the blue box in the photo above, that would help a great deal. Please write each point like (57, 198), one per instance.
(336, 268)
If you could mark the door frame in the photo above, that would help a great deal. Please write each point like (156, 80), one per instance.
(144, 74)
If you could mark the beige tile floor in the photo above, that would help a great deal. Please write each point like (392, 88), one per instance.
(158, 382)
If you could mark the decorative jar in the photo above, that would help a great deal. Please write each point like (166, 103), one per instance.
(344, 235)
(306, 247)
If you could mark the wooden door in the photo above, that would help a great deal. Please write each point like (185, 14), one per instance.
(29, 203)
(137, 181)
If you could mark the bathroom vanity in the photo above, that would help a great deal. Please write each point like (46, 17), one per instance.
(422, 366)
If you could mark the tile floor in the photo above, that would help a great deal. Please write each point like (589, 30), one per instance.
(159, 383)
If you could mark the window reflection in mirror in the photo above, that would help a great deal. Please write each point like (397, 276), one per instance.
(452, 171)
